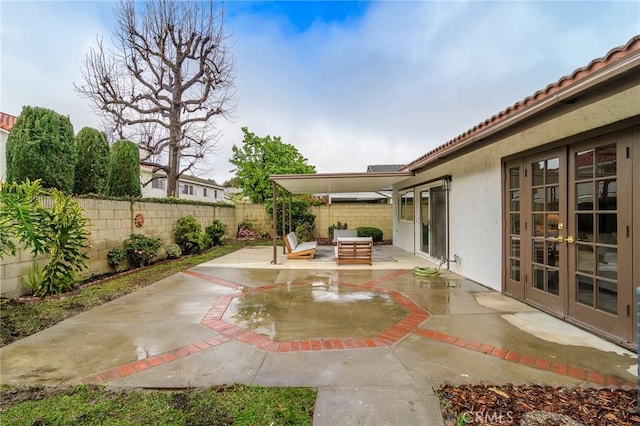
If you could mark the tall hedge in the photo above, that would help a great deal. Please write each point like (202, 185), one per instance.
(93, 158)
(41, 146)
(123, 173)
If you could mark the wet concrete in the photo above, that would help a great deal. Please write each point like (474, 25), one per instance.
(382, 385)
(314, 311)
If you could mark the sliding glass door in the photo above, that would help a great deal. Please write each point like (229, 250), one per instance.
(431, 226)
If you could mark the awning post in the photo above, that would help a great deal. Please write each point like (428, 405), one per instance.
(274, 217)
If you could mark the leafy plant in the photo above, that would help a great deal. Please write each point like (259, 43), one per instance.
(369, 231)
(336, 226)
(41, 146)
(116, 258)
(123, 172)
(265, 235)
(59, 231)
(188, 235)
(63, 230)
(20, 215)
(215, 232)
(247, 234)
(244, 225)
(304, 232)
(300, 213)
(141, 250)
(173, 251)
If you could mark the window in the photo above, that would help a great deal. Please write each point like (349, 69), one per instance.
(185, 189)
(406, 206)
(158, 183)
(205, 192)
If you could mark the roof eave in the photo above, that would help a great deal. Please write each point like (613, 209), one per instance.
(563, 95)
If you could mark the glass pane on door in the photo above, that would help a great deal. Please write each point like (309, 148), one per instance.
(545, 217)
(438, 231)
(424, 221)
(596, 218)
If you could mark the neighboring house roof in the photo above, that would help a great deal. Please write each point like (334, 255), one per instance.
(7, 121)
(384, 168)
(186, 178)
(517, 112)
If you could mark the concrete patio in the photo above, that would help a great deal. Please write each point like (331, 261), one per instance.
(186, 330)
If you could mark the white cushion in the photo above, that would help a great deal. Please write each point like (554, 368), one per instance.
(337, 233)
(293, 241)
(309, 245)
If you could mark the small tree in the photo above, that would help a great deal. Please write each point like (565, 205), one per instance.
(93, 158)
(123, 173)
(260, 157)
(41, 146)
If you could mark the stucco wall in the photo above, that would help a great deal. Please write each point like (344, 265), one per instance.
(475, 191)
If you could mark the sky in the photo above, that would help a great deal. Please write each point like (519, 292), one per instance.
(349, 84)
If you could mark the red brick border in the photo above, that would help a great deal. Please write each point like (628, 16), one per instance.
(529, 361)
(155, 361)
(389, 337)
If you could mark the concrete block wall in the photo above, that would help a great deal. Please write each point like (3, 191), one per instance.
(355, 215)
(256, 214)
(110, 223)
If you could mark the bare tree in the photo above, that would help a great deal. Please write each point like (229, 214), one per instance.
(168, 76)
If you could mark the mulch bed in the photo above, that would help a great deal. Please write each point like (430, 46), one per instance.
(506, 404)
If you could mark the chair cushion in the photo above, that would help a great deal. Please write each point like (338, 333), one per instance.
(338, 233)
(309, 245)
(293, 241)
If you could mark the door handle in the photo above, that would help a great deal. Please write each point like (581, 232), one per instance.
(560, 238)
(570, 239)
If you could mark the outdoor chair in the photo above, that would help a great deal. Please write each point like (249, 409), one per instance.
(297, 250)
(354, 250)
(340, 233)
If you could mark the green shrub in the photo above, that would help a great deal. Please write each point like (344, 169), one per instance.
(58, 231)
(173, 251)
(369, 231)
(141, 250)
(41, 146)
(304, 232)
(123, 172)
(244, 226)
(93, 158)
(63, 230)
(188, 235)
(215, 232)
(300, 213)
(336, 226)
(116, 258)
(265, 235)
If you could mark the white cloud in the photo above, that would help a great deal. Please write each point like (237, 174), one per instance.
(386, 88)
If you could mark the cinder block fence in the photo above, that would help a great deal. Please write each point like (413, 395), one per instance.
(111, 222)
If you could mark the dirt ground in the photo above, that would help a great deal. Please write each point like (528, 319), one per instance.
(494, 405)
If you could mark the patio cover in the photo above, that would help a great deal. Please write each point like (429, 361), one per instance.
(324, 183)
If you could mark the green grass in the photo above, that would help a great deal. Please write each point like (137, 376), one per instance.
(19, 319)
(223, 405)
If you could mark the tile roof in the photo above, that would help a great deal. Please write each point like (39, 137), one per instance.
(614, 55)
(7, 121)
